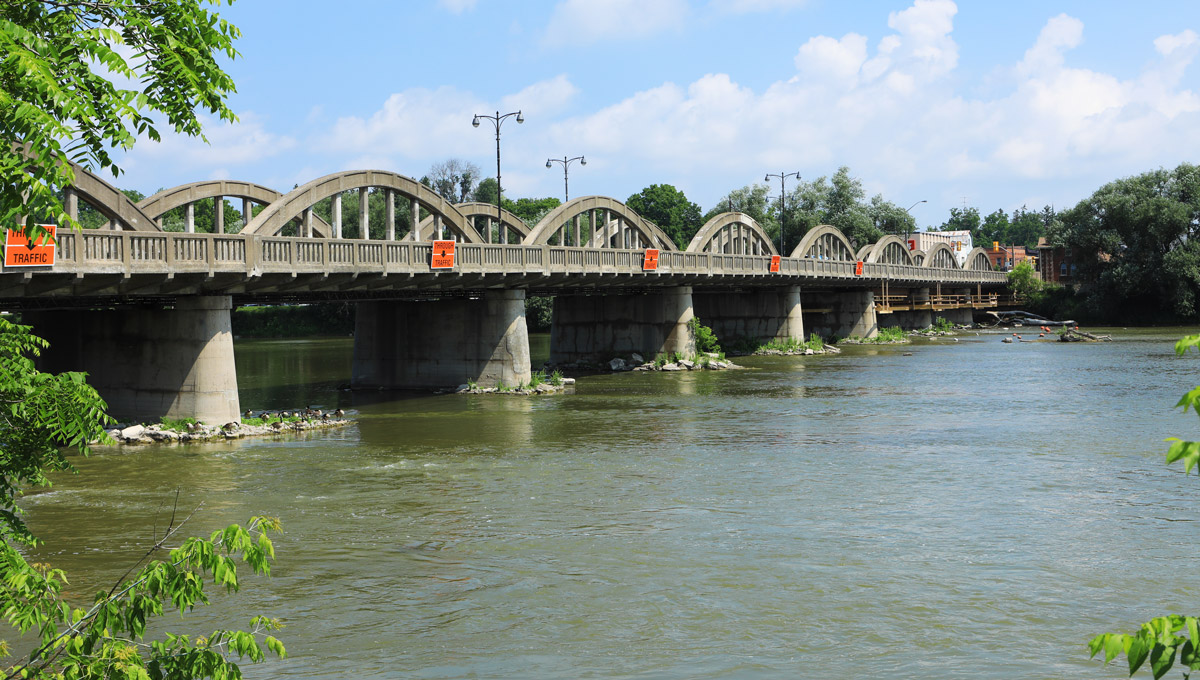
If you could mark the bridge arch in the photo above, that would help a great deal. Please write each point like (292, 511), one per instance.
(942, 256)
(169, 199)
(732, 232)
(110, 202)
(890, 249)
(275, 216)
(918, 257)
(825, 242)
(474, 209)
(621, 227)
(978, 260)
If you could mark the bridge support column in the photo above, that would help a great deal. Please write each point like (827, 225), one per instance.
(842, 314)
(442, 343)
(963, 316)
(599, 327)
(150, 363)
(915, 319)
(756, 315)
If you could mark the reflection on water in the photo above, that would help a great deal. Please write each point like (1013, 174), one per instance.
(961, 512)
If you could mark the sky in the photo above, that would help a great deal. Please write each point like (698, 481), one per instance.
(995, 105)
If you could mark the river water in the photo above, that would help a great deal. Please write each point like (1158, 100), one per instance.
(974, 510)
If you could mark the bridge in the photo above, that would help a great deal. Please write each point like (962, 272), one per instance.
(146, 312)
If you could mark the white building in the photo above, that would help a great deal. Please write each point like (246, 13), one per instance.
(959, 241)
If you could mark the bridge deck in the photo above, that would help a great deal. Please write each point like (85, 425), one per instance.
(106, 263)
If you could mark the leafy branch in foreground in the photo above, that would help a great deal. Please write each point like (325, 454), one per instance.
(58, 101)
(42, 417)
(1159, 640)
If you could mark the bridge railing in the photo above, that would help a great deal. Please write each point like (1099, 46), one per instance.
(131, 253)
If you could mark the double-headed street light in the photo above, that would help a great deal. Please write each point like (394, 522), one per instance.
(565, 163)
(908, 235)
(782, 198)
(497, 120)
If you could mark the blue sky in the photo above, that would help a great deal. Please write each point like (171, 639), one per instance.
(995, 104)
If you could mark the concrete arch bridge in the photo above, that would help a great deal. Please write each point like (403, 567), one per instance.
(147, 311)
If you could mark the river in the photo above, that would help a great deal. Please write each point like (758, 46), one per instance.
(951, 509)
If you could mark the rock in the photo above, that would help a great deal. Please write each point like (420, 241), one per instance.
(637, 358)
(133, 432)
(671, 367)
(617, 364)
(114, 433)
(689, 365)
(463, 388)
(809, 352)
(718, 365)
(543, 388)
(568, 381)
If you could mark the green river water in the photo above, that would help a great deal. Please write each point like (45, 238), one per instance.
(974, 510)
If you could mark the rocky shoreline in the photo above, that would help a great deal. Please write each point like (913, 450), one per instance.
(199, 432)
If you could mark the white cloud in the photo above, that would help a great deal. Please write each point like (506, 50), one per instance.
(229, 148)
(544, 98)
(1058, 35)
(576, 22)
(749, 6)
(456, 6)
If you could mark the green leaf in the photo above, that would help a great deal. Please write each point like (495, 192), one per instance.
(1139, 649)
(1161, 660)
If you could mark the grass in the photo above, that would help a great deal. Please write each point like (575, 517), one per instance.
(176, 424)
(942, 325)
(556, 378)
(884, 337)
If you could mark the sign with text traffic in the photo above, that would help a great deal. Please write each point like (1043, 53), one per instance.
(858, 268)
(19, 252)
(774, 264)
(443, 255)
(650, 262)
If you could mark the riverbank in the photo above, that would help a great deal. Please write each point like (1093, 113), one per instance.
(189, 431)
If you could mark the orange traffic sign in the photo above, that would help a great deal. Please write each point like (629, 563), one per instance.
(650, 262)
(774, 264)
(443, 255)
(20, 252)
(858, 268)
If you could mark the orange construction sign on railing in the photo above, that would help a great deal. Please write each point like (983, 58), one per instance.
(443, 255)
(774, 268)
(19, 252)
(650, 261)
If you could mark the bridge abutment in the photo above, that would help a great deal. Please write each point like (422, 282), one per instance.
(442, 343)
(842, 314)
(758, 315)
(149, 363)
(599, 327)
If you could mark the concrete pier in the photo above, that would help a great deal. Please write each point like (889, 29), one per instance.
(842, 314)
(599, 327)
(442, 343)
(760, 315)
(149, 363)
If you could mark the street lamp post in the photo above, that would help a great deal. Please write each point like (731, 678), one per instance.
(908, 236)
(497, 120)
(782, 198)
(566, 162)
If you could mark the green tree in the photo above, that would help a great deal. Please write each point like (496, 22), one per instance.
(995, 227)
(1137, 242)
(1024, 281)
(485, 191)
(1027, 226)
(57, 103)
(753, 200)
(890, 218)
(454, 178)
(531, 210)
(964, 219)
(670, 209)
(1159, 640)
(44, 418)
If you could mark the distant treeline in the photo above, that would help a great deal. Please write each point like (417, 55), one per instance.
(290, 321)
(337, 318)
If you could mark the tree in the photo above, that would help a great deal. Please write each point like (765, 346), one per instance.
(454, 179)
(1024, 281)
(1158, 640)
(670, 209)
(485, 191)
(964, 219)
(752, 200)
(995, 227)
(531, 210)
(57, 103)
(1137, 242)
(890, 218)
(45, 416)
